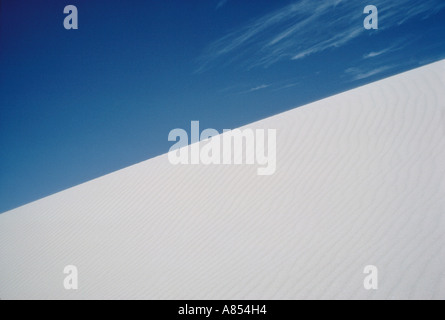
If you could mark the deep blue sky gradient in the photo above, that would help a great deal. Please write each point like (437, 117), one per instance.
(78, 104)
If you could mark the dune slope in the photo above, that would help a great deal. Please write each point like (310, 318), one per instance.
(360, 181)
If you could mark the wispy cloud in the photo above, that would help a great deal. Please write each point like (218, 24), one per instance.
(263, 86)
(243, 88)
(306, 27)
(257, 88)
(287, 86)
(221, 3)
(360, 73)
(396, 46)
(374, 54)
(431, 59)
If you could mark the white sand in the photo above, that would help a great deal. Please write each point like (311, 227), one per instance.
(360, 181)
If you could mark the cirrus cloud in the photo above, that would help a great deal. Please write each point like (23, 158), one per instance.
(306, 27)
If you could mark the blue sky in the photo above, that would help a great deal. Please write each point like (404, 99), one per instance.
(78, 104)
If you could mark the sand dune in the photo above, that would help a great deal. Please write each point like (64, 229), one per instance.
(360, 181)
